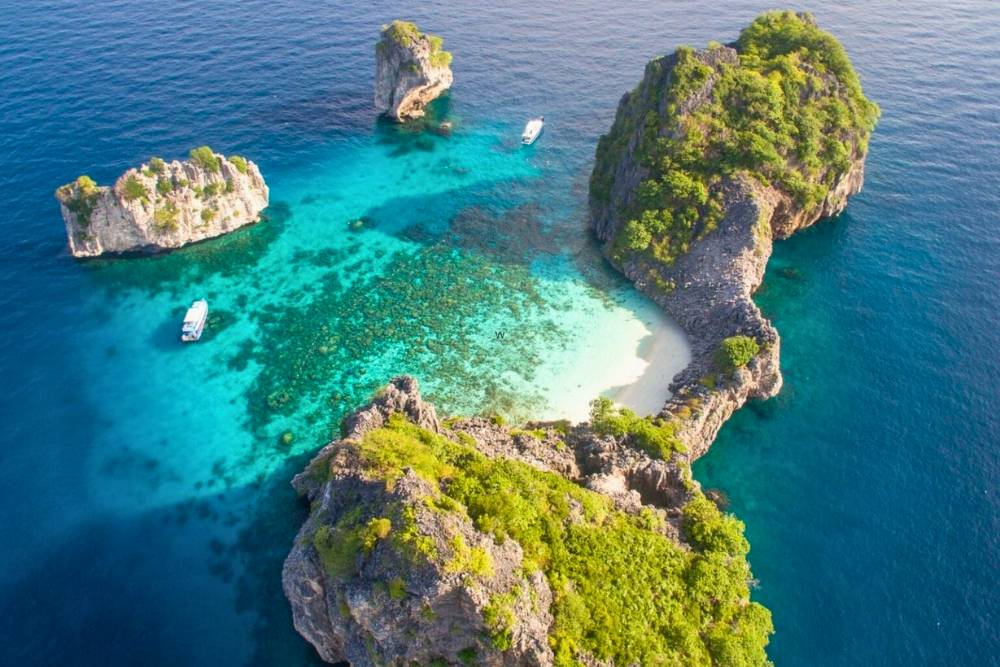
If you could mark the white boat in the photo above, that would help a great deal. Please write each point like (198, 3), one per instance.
(532, 130)
(194, 321)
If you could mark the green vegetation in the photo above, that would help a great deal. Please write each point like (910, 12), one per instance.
(164, 186)
(623, 591)
(790, 113)
(736, 352)
(134, 189)
(471, 560)
(406, 33)
(80, 197)
(165, 219)
(211, 189)
(239, 162)
(654, 436)
(204, 157)
(157, 165)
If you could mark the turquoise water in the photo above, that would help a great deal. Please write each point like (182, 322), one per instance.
(143, 485)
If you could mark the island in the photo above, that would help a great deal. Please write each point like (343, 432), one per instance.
(411, 70)
(713, 156)
(467, 541)
(162, 205)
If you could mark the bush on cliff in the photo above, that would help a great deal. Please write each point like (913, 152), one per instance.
(623, 592)
(204, 157)
(653, 436)
(135, 190)
(736, 352)
(80, 197)
(790, 113)
(239, 162)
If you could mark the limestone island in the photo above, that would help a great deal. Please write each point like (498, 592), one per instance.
(466, 541)
(411, 70)
(162, 205)
(713, 156)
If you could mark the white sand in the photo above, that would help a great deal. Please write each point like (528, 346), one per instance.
(629, 353)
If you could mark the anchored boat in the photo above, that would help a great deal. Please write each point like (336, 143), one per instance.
(532, 130)
(194, 321)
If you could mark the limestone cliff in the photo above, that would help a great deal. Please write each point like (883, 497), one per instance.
(713, 156)
(463, 541)
(411, 70)
(162, 205)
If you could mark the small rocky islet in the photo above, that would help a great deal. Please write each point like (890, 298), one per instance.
(411, 70)
(162, 205)
(465, 541)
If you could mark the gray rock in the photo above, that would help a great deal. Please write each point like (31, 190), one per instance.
(410, 71)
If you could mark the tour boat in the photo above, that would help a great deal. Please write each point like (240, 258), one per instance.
(194, 321)
(532, 130)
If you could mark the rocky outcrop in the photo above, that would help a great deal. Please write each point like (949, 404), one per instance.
(411, 70)
(707, 287)
(162, 205)
(387, 607)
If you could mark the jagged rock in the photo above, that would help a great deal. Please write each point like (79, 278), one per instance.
(162, 205)
(708, 288)
(396, 610)
(411, 70)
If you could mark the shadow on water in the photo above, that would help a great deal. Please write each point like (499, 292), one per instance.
(79, 606)
(172, 272)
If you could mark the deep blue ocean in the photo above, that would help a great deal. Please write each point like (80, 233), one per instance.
(145, 506)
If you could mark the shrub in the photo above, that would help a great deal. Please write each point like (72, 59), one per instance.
(204, 157)
(157, 165)
(654, 436)
(207, 214)
(736, 352)
(134, 189)
(80, 197)
(239, 162)
(164, 186)
(165, 219)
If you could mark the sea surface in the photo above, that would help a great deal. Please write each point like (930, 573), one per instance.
(145, 506)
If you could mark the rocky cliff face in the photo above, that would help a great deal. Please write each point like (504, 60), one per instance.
(411, 70)
(422, 582)
(687, 205)
(162, 205)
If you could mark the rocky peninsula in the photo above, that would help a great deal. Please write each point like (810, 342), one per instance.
(411, 70)
(464, 541)
(714, 155)
(162, 205)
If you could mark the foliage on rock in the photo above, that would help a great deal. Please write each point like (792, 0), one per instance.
(786, 108)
